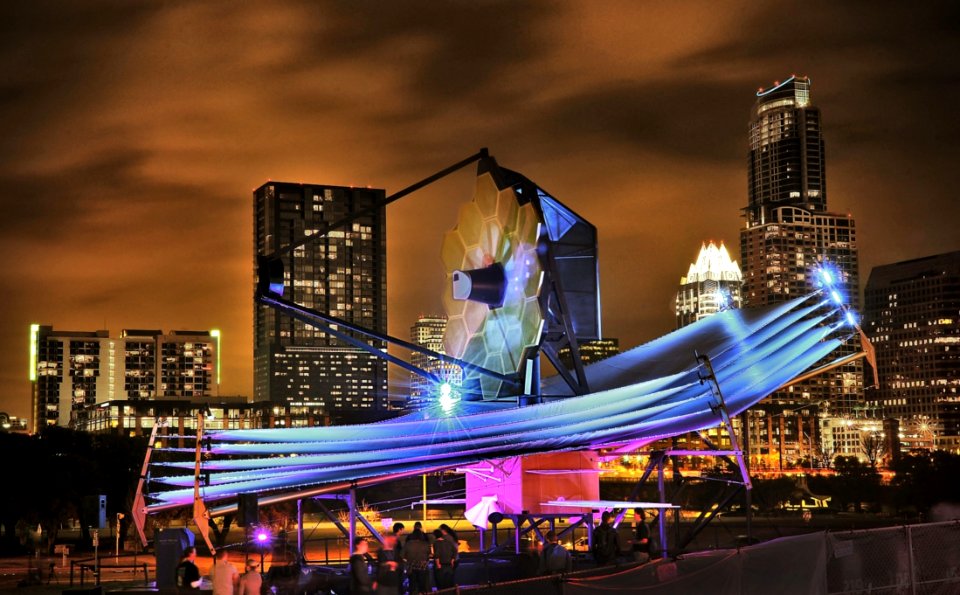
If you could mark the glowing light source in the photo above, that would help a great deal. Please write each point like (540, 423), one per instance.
(262, 536)
(215, 333)
(447, 397)
(828, 275)
(713, 264)
(776, 85)
(34, 343)
(836, 297)
(851, 318)
(723, 299)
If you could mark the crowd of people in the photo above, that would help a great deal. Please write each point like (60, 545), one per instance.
(404, 562)
(224, 576)
(406, 557)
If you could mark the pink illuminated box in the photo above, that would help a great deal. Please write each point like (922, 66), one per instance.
(524, 483)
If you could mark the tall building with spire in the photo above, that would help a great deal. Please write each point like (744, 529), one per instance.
(788, 235)
(711, 284)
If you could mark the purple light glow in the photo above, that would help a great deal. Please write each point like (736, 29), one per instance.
(262, 536)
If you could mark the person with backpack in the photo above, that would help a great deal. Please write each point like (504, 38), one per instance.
(555, 558)
(606, 541)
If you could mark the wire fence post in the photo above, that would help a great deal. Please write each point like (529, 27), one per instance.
(910, 561)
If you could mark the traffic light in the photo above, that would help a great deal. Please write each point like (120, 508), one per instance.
(95, 511)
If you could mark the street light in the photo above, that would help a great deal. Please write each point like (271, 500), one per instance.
(262, 537)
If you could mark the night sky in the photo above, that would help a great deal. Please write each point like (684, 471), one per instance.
(133, 134)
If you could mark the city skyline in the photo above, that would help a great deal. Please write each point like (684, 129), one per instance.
(135, 135)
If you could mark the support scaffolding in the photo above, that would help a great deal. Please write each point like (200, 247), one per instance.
(525, 523)
(353, 515)
(139, 511)
(732, 488)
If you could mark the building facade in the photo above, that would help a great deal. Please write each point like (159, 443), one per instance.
(592, 351)
(178, 417)
(788, 237)
(428, 332)
(73, 370)
(342, 274)
(711, 284)
(13, 424)
(912, 316)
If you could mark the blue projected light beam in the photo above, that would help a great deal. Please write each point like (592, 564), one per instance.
(641, 395)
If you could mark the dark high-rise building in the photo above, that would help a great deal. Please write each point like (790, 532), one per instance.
(912, 316)
(787, 237)
(786, 150)
(344, 274)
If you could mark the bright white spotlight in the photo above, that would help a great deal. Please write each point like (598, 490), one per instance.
(723, 300)
(851, 318)
(837, 298)
(827, 277)
(447, 398)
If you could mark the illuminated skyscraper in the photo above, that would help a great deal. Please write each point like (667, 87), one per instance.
(343, 274)
(712, 284)
(786, 150)
(74, 370)
(427, 332)
(912, 316)
(788, 234)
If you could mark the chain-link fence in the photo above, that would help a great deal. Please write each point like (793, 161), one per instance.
(916, 559)
(910, 560)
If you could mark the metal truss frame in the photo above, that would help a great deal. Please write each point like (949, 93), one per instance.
(533, 523)
(734, 458)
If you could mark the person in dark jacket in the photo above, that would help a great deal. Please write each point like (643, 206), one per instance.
(641, 537)
(188, 575)
(360, 579)
(416, 556)
(398, 531)
(452, 535)
(444, 560)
